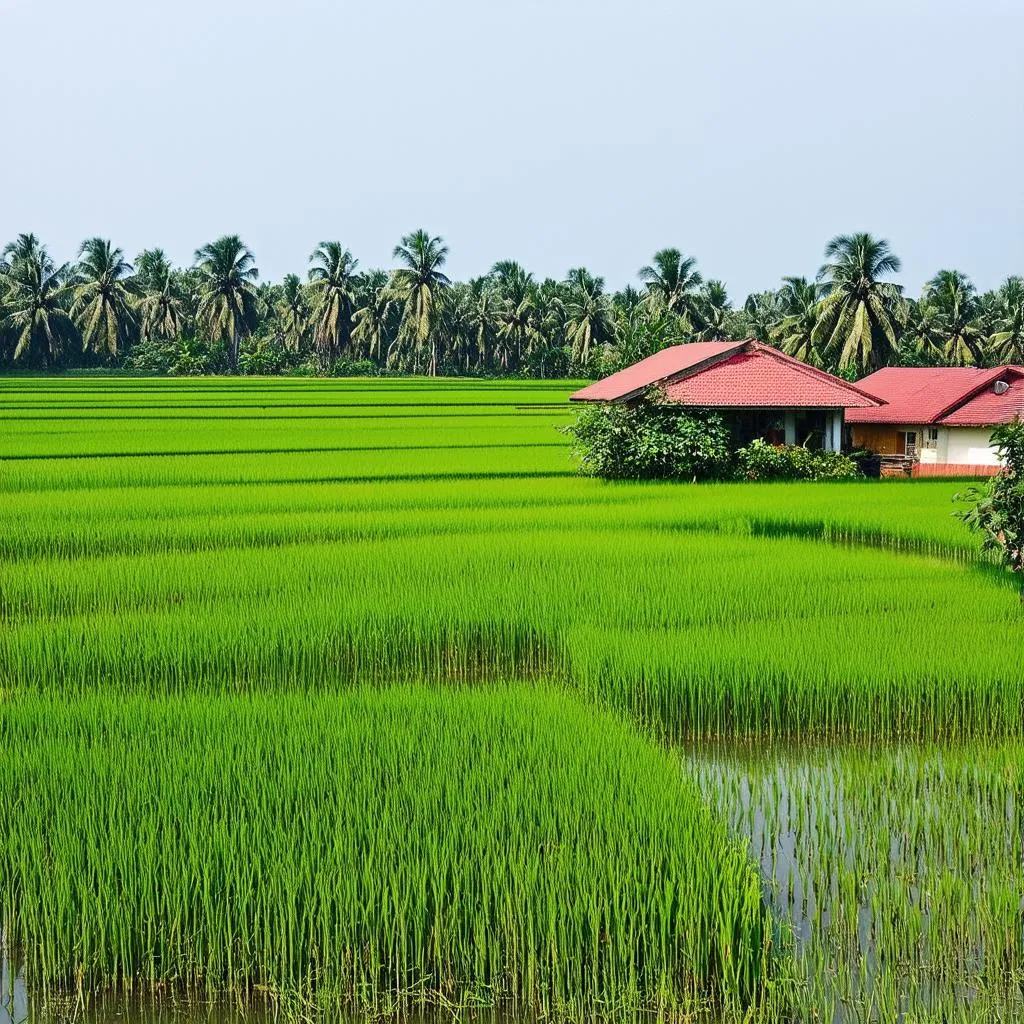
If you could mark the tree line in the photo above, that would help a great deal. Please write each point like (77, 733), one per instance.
(216, 315)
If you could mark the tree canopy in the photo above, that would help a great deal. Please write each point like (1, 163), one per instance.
(216, 316)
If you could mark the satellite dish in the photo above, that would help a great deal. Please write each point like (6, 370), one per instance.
(1000, 387)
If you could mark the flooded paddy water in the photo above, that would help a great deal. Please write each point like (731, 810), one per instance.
(896, 873)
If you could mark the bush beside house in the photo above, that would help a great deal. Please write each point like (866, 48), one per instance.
(996, 508)
(653, 440)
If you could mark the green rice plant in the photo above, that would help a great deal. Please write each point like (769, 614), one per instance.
(449, 543)
(408, 847)
(215, 594)
(697, 633)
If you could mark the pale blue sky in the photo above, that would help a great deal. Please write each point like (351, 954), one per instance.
(557, 133)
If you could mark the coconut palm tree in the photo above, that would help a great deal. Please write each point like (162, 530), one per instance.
(482, 318)
(798, 299)
(373, 320)
(517, 311)
(102, 297)
(762, 313)
(859, 315)
(1007, 337)
(417, 286)
(34, 310)
(588, 323)
(923, 337)
(628, 299)
(228, 303)
(293, 313)
(671, 278)
(24, 247)
(456, 332)
(332, 284)
(159, 309)
(641, 331)
(548, 326)
(713, 316)
(954, 298)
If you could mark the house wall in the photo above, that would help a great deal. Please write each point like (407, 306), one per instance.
(951, 469)
(969, 446)
(958, 451)
(878, 437)
(834, 430)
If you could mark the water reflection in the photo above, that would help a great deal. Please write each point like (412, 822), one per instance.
(898, 872)
(18, 1007)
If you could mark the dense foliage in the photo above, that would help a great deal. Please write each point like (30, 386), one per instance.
(997, 506)
(650, 440)
(760, 460)
(216, 316)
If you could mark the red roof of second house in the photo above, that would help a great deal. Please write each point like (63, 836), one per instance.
(732, 375)
(988, 408)
(934, 394)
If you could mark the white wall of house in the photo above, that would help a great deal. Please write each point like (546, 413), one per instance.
(789, 420)
(970, 446)
(962, 446)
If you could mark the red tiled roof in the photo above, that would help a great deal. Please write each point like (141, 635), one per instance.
(659, 367)
(922, 395)
(764, 378)
(986, 408)
(732, 374)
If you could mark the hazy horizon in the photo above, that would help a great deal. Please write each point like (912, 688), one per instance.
(558, 134)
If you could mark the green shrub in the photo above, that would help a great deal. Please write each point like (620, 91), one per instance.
(997, 507)
(153, 357)
(343, 366)
(262, 357)
(649, 440)
(760, 460)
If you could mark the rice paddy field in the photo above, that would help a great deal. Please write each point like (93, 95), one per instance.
(325, 699)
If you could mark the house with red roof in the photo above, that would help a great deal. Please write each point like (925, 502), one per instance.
(936, 421)
(763, 392)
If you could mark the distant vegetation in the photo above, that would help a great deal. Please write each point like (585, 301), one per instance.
(216, 316)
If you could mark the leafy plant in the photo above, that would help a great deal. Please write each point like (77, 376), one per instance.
(649, 440)
(229, 308)
(997, 507)
(760, 460)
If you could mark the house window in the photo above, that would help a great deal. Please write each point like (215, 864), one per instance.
(931, 437)
(907, 440)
